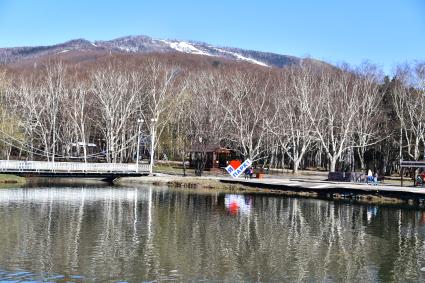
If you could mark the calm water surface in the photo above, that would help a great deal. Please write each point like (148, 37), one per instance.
(112, 234)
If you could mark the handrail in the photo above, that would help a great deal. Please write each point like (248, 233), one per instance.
(44, 166)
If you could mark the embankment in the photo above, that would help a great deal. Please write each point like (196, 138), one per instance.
(6, 179)
(335, 193)
(185, 182)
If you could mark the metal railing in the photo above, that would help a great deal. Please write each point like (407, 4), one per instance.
(44, 166)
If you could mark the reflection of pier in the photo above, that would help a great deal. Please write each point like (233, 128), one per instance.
(105, 171)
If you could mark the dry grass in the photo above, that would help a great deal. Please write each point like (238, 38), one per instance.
(11, 179)
(367, 198)
(203, 183)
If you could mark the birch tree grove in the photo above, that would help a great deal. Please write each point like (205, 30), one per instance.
(206, 119)
(78, 100)
(9, 122)
(248, 108)
(368, 121)
(53, 91)
(306, 116)
(115, 97)
(293, 128)
(337, 100)
(410, 108)
(162, 93)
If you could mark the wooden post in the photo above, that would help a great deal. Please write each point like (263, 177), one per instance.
(401, 173)
(414, 178)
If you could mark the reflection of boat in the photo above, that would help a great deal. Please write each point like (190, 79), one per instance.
(238, 203)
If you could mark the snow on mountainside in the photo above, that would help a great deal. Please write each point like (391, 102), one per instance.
(185, 47)
(240, 57)
(146, 44)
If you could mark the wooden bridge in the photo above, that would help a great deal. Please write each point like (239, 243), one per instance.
(104, 171)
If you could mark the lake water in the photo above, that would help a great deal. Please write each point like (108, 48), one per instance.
(111, 234)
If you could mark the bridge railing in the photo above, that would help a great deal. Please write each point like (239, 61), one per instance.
(43, 166)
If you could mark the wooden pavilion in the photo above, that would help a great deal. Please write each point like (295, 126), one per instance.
(216, 156)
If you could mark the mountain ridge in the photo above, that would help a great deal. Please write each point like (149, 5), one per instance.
(143, 44)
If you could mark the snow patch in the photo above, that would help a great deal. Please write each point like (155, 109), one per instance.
(127, 49)
(93, 44)
(240, 57)
(63, 51)
(185, 47)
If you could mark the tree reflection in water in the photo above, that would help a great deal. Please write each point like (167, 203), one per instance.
(150, 233)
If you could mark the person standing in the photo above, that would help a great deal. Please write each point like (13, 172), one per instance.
(375, 179)
(247, 172)
(369, 176)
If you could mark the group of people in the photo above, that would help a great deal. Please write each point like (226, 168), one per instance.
(420, 179)
(249, 172)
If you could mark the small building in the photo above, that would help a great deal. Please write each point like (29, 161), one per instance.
(216, 156)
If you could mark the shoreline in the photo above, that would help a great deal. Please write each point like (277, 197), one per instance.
(8, 179)
(360, 196)
(289, 187)
(184, 182)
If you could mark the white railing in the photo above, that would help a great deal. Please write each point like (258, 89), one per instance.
(43, 166)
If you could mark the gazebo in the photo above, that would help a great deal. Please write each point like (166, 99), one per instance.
(216, 156)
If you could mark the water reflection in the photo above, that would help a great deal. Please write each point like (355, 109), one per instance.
(371, 212)
(113, 234)
(238, 204)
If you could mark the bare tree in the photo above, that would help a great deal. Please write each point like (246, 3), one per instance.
(53, 92)
(369, 102)
(337, 101)
(78, 113)
(206, 120)
(249, 111)
(293, 128)
(162, 91)
(10, 132)
(409, 103)
(115, 91)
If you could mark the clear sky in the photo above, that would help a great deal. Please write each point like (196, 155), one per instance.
(385, 32)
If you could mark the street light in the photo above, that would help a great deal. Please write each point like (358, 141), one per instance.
(139, 122)
(153, 126)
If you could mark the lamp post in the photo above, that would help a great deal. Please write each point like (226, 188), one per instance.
(153, 126)
(139, 122)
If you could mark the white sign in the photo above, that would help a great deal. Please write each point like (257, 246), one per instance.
(238, 171)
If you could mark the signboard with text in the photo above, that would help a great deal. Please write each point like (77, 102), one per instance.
(236, 172)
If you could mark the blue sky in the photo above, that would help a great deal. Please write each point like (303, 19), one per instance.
(383, 32)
